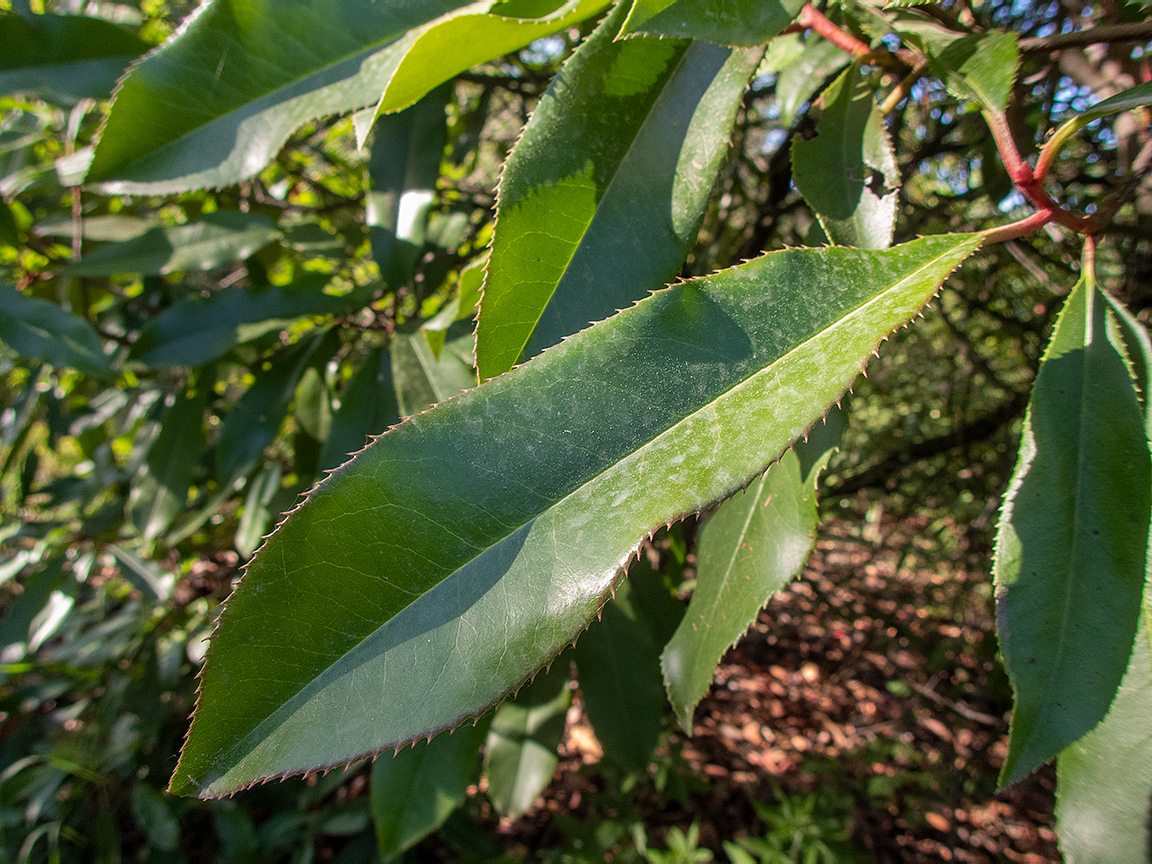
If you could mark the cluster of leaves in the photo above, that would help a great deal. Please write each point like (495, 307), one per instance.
(211, 296)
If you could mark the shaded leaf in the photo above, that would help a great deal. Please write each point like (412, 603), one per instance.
(629, 133)
(145, 576)
(414, 791)
(63, 58)
(257, 515)
(218, 238)
(256, 417)
(197, 330)
(455, 555)
(43, 331)
(368, 407)
(752, 546)
(1070, 553)
(746, 22)
(619, 670)
(847, 173)
(1134, 97)
(520, 756)
(423, 379)
(160, 489)
(1104, 788)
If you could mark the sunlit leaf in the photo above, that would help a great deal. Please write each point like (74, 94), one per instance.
(746, 22)
(631, 133)
(847, 172)
(1104, 790)
(458, 553)
(750, 548)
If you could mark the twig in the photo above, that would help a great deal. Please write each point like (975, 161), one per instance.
(960, 708)
(1138, 32)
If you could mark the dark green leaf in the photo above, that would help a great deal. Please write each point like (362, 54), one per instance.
(368, 407)
(751, 547)
(619, 670)
(414, 791)
(630, 133)
(42, 330)
(1104, 790)
(218, 238)
(847, 173)
(197, 330)
(160, 489)
(459, 552)
(1070, 554)
(146, 576)
(746, 22)
(255, 419)
(63, 58)
(313, 406)
(520, 756)
(257, 515)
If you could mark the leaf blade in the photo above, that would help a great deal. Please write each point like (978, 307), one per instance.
(647, 154)
(503, 480)
(1071, 547)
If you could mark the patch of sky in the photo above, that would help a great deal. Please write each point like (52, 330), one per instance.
(544, 50)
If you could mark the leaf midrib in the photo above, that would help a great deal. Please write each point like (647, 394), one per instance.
(226, 760)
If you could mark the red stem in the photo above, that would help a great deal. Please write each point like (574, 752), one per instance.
(811, 18)
(1018, 229)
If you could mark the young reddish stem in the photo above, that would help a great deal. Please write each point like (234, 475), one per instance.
(1018, 229)
(812, 19)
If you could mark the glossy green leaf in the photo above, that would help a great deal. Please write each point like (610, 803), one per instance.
(160, 489)
(63, 58)
(423, 379)
(42, 330)
(414, 791)
(267, 74)
(800, 80)
(619, 670)
(630, 134)
(752, 546)
(520, 756)
(472, 35)
(847, 172)
(746, 22)
(1134, 97)
(1104, 788)
(146, 576)
(980, 67)
(197, 330)
(218, 238)
(1071, 549)
(102, 229)
(368, 407)
(460, 551)
(313, 405)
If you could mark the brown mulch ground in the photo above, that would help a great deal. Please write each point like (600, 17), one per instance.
(871, 682)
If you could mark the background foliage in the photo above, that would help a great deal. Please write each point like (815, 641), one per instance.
(205, 307)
